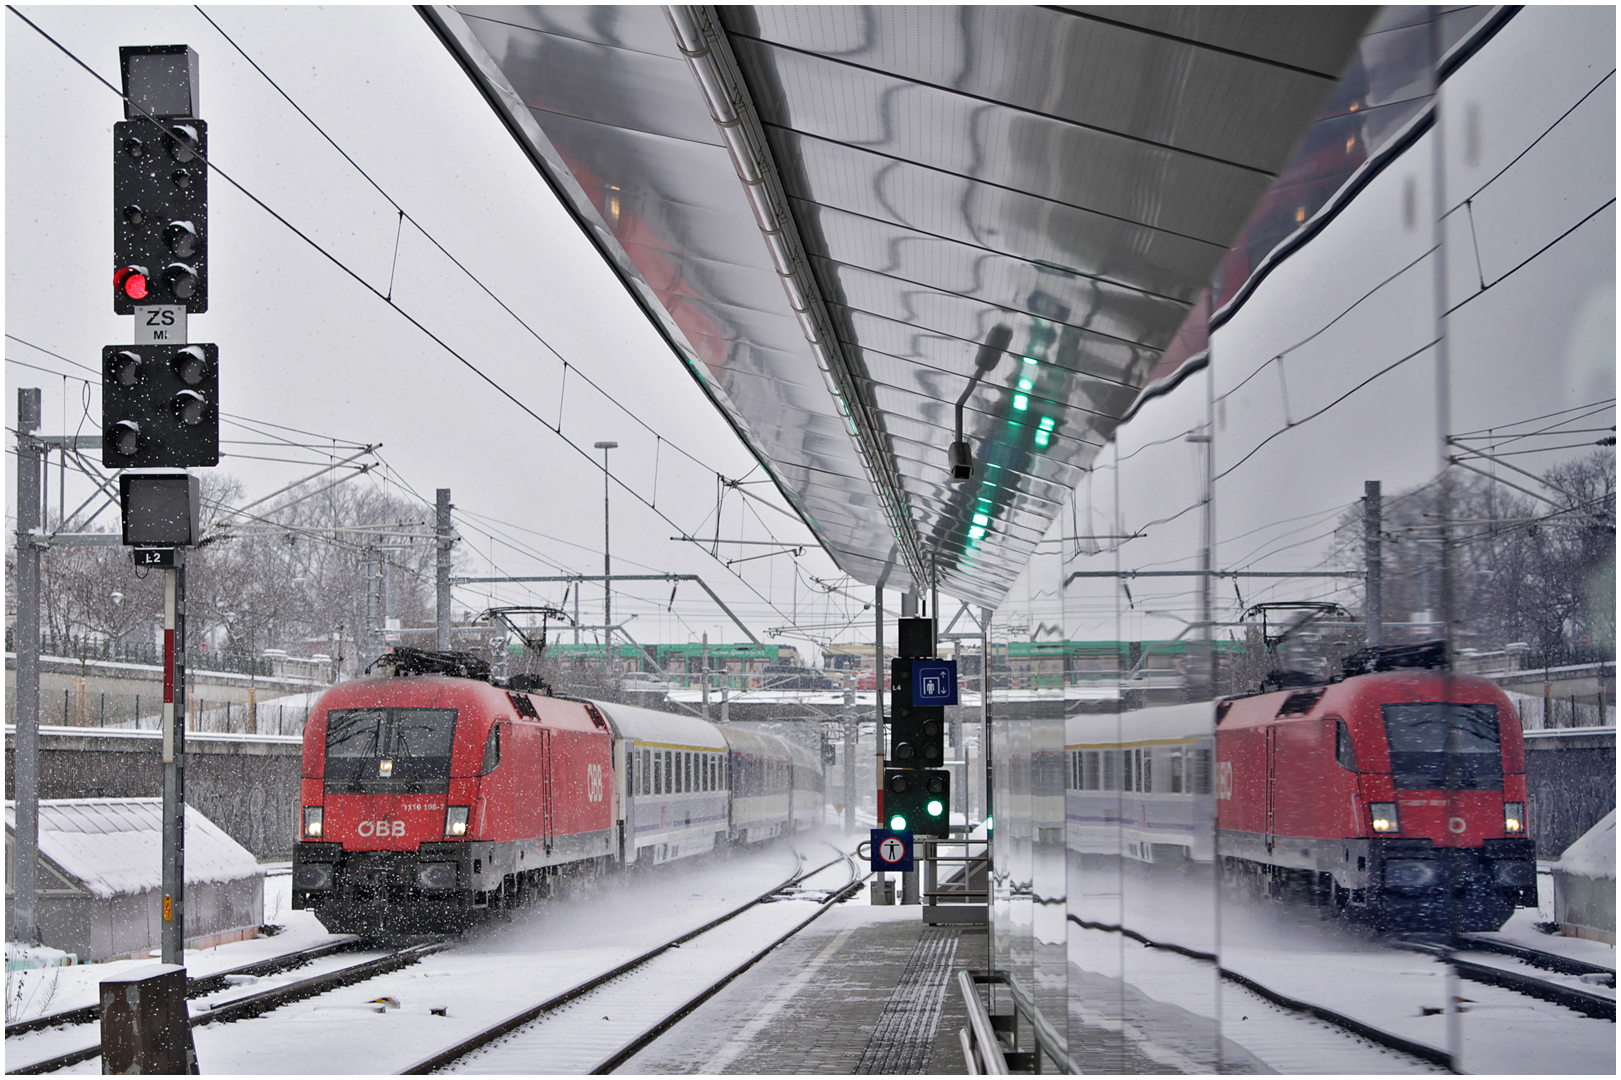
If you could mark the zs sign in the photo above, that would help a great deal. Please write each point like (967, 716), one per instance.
(593, 783)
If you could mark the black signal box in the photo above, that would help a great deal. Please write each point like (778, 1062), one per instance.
(160, 406)
(918, 799)
(160, 215)
(916, 732)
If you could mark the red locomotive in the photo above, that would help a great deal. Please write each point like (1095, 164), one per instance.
(1398, 795)
(429, 799)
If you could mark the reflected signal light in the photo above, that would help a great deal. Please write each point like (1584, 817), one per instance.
(132, 281)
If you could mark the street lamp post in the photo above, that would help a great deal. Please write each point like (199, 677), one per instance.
(607, 564)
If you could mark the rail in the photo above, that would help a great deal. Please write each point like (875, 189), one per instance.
(534, 1012)
(257, 1004)
(197, 987)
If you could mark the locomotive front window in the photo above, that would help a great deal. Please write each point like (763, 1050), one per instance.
(1435, 746)
(397, 750)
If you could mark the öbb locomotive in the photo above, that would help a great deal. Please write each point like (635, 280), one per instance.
(1395, 797)
(431, 800)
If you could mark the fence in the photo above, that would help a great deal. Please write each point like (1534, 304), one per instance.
(143, 712)
(83, 647)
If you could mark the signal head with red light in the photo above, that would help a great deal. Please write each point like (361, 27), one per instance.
(160, 223)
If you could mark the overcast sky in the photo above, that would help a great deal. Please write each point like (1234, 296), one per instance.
(305, 345)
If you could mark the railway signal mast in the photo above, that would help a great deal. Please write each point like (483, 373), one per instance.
(160, 394)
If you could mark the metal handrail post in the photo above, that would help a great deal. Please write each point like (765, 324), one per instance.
(980, 1046)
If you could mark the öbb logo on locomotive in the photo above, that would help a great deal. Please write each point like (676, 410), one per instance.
(381, 828)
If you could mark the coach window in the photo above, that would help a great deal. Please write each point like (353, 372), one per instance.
(1199, 771)
(1344, 752)
(1176, 771)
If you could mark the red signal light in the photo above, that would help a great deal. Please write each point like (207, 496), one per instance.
(132, 280)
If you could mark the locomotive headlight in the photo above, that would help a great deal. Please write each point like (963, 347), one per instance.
(385, 769)
(1384, 817)
(312, 821)
(456, 821)
(1514, 817)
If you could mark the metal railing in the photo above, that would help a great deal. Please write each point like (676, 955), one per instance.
(992, 1041)
(955, 900)
(980, 1047)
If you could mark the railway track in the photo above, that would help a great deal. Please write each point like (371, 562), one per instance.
(642, 986)
(241, 1008)
(1587, 1002)
(198, 987)
(1556, 988)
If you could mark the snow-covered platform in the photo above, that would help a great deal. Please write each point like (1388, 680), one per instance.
(861, 990)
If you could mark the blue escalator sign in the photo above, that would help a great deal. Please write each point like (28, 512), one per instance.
(892, 849)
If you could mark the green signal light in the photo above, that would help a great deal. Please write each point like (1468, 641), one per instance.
(1026, 384)
(1021, 402)
(897, 823)
(1042, 438)
(936, 808)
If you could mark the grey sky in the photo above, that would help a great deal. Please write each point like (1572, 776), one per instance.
(303, 344)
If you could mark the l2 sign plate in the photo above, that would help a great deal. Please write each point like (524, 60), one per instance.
(934, 682)
(892, 849)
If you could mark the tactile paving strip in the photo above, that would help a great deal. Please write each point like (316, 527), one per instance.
(904, 1038)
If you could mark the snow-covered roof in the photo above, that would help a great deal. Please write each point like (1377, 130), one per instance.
(1593, 853)
(115, 846)
(1165, 723)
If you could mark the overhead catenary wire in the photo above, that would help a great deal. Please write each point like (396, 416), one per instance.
(407, 316)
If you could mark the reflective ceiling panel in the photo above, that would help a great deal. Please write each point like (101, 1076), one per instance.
(1059, 182)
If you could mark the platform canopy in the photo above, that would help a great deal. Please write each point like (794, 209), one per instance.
(847, 220)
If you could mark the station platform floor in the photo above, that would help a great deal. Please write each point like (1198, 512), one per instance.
(863, 989)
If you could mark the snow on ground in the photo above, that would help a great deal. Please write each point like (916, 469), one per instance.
(43, 991)
(1290, 948)
(495, 971)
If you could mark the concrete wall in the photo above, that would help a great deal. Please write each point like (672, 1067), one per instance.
(247, 786)
(1570, 777)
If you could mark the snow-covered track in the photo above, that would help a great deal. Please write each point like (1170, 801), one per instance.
(257, 1004)
(1390, 1041)
(1532, 984)
(203, 984)
(1548, 961)
(638, 969)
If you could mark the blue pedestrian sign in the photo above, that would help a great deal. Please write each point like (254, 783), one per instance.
(934, 682)
(892, 849)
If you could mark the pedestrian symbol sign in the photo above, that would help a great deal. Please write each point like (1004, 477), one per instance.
(892, 849)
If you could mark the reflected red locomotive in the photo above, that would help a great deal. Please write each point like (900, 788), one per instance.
(1398, 796)
(429, 800)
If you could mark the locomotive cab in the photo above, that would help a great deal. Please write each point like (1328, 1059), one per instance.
(1398, 797)
(427, 800)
